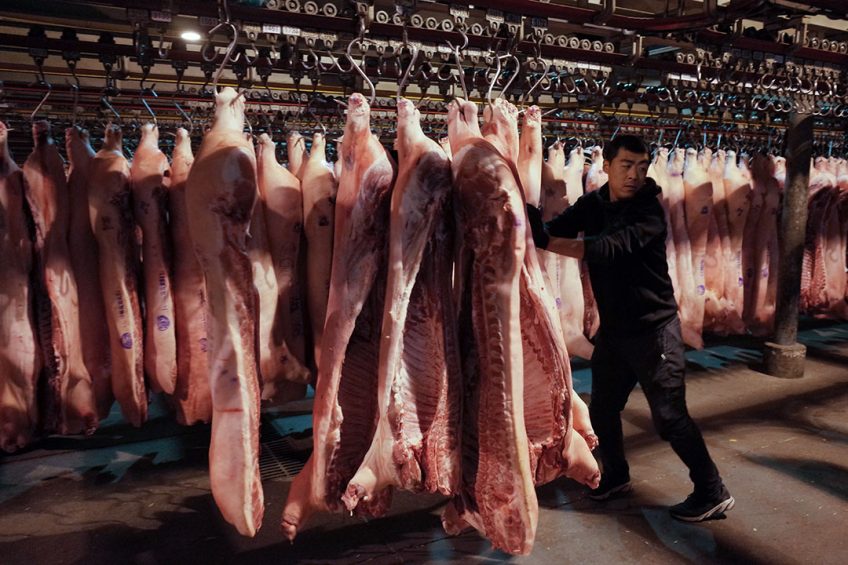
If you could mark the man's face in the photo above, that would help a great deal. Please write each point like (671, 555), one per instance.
(627, 172)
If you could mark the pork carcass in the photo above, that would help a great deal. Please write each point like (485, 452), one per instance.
(690, 323)
(658, 170)
(497, 495)
(698, 201)
(149, 178)
(501, 135)
(554, 199)
(282, 200)
(191, 394)
(719, 255)
(818, 200)
(823, 198)
(416, 445)
(20, 357)
(834, 237)
(94, 330)
(319, 199)
(841, 310)
(444, 143)
(750, 266)
(345, 408)
(530, 156)
(779, 171)
(552, 410)
(563, 272)
(713, 276)
(596, 177)
(574, 188)
(759, 315)
(273, 358)
(841, 173)
(110, 208)
(221, 192)
(736, 188)
(554, 449)
(70, 395)
(296, 149)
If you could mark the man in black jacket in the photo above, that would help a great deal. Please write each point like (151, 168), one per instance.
(639, 339)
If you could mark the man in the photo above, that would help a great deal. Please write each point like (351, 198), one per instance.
(639, 338)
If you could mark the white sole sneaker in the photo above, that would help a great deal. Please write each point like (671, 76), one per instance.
(719, 508)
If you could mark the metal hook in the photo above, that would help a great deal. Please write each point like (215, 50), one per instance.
(43, 100)
(105, 101)
(185, 116)
(542, 77)
(230, 48)
(511, 79)
(224, 15)
(250, 62)
(405, 79)
(458, 60)
(359, 70)
(498, 73)
(494, 79)
(152, 92)
(75, 89)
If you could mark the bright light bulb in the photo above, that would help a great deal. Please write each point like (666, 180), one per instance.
(190, 35)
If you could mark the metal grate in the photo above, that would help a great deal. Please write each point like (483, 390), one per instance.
(281, 459)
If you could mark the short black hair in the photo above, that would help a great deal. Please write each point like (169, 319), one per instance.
(632, 143)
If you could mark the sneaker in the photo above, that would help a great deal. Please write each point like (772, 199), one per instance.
(696, 508)
(611, 489)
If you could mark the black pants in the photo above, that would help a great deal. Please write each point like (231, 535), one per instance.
(656, 361)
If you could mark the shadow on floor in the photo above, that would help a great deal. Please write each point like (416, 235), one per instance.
(828, 477)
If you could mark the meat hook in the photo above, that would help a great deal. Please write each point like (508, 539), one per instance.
(405, 79)
(44, 99)
(458, 59)
(185, 116)
(359, 70)
(105, 101)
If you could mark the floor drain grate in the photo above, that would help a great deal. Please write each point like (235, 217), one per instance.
(280, 459)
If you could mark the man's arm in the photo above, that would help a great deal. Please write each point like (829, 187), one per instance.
(641, 229)
(567, 246)
(569, 223)
(566, 225)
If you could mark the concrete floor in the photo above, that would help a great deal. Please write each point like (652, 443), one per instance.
(142, 496)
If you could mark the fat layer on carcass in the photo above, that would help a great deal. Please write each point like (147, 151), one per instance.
(149, 178)
(281, 196)
(319, 196)
(221, 192)
(344, 414)
(94, 330)
(20, 356)
(191, 393)
(70, 395)
(415, 445)
(110, 208)
(495, 449)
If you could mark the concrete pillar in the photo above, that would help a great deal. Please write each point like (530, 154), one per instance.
(784, 357)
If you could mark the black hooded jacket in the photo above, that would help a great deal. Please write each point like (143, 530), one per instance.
(625, 250)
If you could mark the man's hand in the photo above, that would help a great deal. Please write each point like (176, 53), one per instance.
(537, 226)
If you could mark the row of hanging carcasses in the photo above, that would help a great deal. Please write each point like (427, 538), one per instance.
(723, 213)
(105, 299)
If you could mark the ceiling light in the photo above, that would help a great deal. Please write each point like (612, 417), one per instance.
(190, 35)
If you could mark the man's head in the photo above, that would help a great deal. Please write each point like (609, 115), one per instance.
(626, 160)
